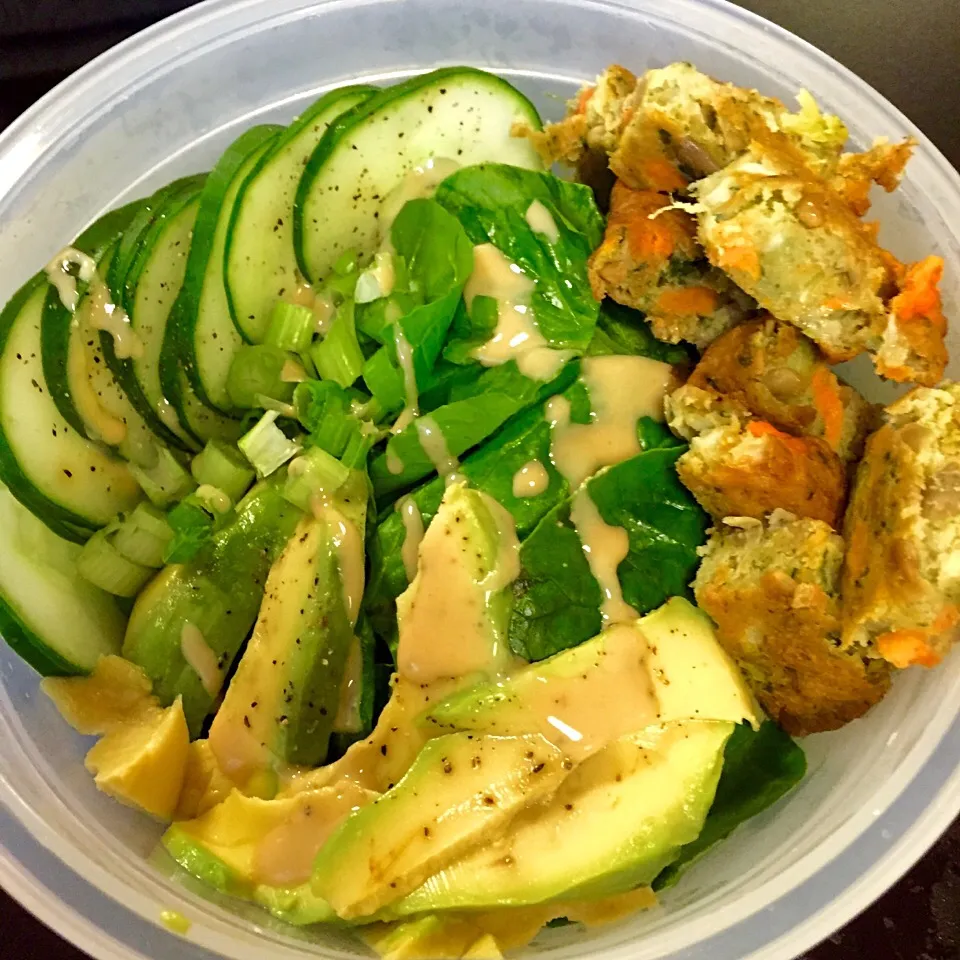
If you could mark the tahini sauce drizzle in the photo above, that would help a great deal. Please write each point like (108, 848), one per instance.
(349, 547)
(201, 658)
(284, 857)
(412, 534)
(444, 628)
(516, 336)
(541, 221)
(422, 181)
(434, 445)
(622, 389)
(351, 688)
(584, 711)
(531, 480)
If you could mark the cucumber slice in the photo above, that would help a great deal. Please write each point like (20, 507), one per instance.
(140, 378)
(207, 337)
(49, 614)
(150, 289)
(457, 113)
(260, 265)
(74, 396)
(72, 484)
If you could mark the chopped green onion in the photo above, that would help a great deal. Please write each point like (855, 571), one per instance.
(359, 446)
(338, 356)
(258, 370)
(316, 473)
(385, 380)
(143, 536)
(377, 280)
(287, 410)
(266, 446)
(222, 465)
(323, 409)
(291, 327)
(105, 567)
(166, 481)
(346, 263)
(193, 525)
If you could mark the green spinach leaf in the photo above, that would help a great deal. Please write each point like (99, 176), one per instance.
(491, 201)
(557, 600)
(759, 767)
(434, 260)
(621, 330)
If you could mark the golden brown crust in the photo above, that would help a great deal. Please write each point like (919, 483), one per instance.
(649, 259)
(882, 164)
(778, 374)
(886, 598)
(779, 631)
(799, 474)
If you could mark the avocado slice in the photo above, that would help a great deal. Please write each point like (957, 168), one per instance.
(283, 700)
(263, 850)
(461, 590)
(623, 814)
(666, 666)
(208, 605)
(460, 791)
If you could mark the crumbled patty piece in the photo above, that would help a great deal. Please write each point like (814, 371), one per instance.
(783, 236)
(650, 260)
(778, 374)
(772, 591)
(883, 164)
(752, 470)
(901, 578)
(691, 411)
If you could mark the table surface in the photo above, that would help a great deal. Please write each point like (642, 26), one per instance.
(909, 50)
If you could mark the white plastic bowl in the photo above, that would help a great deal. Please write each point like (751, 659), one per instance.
(166, 103)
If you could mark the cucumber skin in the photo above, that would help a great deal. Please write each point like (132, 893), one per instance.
(292, 132)
(357, 115)
(119, 278)
(95, 241)
(233, 566)
(61, 521)
(30, 648)
(211, 198)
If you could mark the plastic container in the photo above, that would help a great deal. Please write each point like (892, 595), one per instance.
(165, 103)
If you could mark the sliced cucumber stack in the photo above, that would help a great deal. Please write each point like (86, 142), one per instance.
(207, 337)
(138, 369)
(260, 264)
(71, 483)
(49, 614)
(458, 114)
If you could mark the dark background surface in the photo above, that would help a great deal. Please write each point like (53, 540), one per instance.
(909, 50)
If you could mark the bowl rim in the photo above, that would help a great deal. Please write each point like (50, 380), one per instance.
(184, 34)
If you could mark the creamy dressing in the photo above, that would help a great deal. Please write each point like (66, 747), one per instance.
(622, 390)
(422, 181)
(214, 497)
(413, 534)
(324, 311)
(302, 293)
(584, 711)
(445, 629)
(292, 371)
(284, 857)
(200, 658)
(606, 547)
(516, 336)
(434, 445)
(531, 480)
(166, 413)
(411, 408)
(540, 220)
(394, 463)
(351, 689)
(58, 273)
(107, 316)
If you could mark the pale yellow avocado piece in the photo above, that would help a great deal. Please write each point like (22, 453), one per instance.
(204, 783)
(142, 762)
(117, 692)
(693, 676)
(266, 842)
(485, 948)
